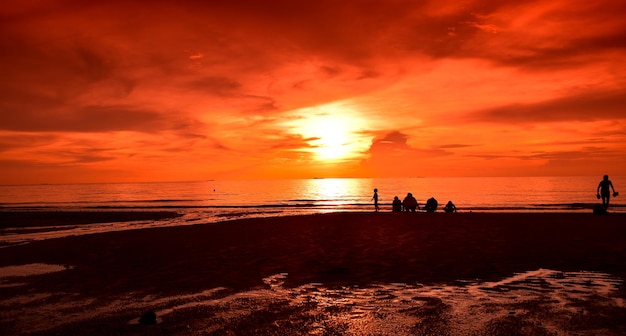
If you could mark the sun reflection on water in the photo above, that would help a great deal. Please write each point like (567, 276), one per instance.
(332, 191)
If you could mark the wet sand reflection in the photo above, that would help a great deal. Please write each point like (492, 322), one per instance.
(536, 302)
(540, 302)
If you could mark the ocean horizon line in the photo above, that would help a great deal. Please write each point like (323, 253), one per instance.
(295, 195)
(292, 179)
(343, 206)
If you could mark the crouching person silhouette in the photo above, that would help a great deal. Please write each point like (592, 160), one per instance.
(450, 207)
(396, 205)
(431, 205)
(410, 203)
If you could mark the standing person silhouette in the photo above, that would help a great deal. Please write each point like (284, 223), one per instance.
(604, 192)
(375, 198)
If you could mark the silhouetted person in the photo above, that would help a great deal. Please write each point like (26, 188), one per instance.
(450, 207)
(410, 203)
(604, 191)
(431, 205)
(396, 205)
(375, 198)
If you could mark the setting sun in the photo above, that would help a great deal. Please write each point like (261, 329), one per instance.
(333, 132)
(307, 150)
(333, 142)
(107, 91)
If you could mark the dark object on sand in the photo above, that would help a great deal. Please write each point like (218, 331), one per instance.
(148, 318)
(599, 209)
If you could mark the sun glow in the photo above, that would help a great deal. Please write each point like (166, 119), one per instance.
(333, 131)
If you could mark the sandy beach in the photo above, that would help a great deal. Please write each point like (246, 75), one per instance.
(327, 274)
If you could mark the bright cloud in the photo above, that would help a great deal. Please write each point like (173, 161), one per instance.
(116, 91)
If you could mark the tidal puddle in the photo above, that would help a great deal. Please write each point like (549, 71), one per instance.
(9, 275)
(30, 269)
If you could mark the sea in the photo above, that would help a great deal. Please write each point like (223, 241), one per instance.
(223, 200)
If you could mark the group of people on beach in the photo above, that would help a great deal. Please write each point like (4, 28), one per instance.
(410, 204)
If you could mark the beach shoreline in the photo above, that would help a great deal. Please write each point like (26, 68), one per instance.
(38, 218)
(335, 249)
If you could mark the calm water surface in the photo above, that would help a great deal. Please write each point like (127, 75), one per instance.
(212, 201)
(493, 194)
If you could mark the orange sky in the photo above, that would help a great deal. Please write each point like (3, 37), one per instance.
(194, 90)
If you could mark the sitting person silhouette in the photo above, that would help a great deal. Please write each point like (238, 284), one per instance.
(450, 207)
(410, 203)
(431, 205)
(396, 205)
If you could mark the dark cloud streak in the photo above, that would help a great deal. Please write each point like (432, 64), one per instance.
(219, 86)
(85, 119)
(586, 106)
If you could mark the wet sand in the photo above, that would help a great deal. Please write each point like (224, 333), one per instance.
(334, 274)
(24, 219)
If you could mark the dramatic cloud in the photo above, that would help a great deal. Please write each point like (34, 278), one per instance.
(83, 119)
(98, 91)
(585, 106)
